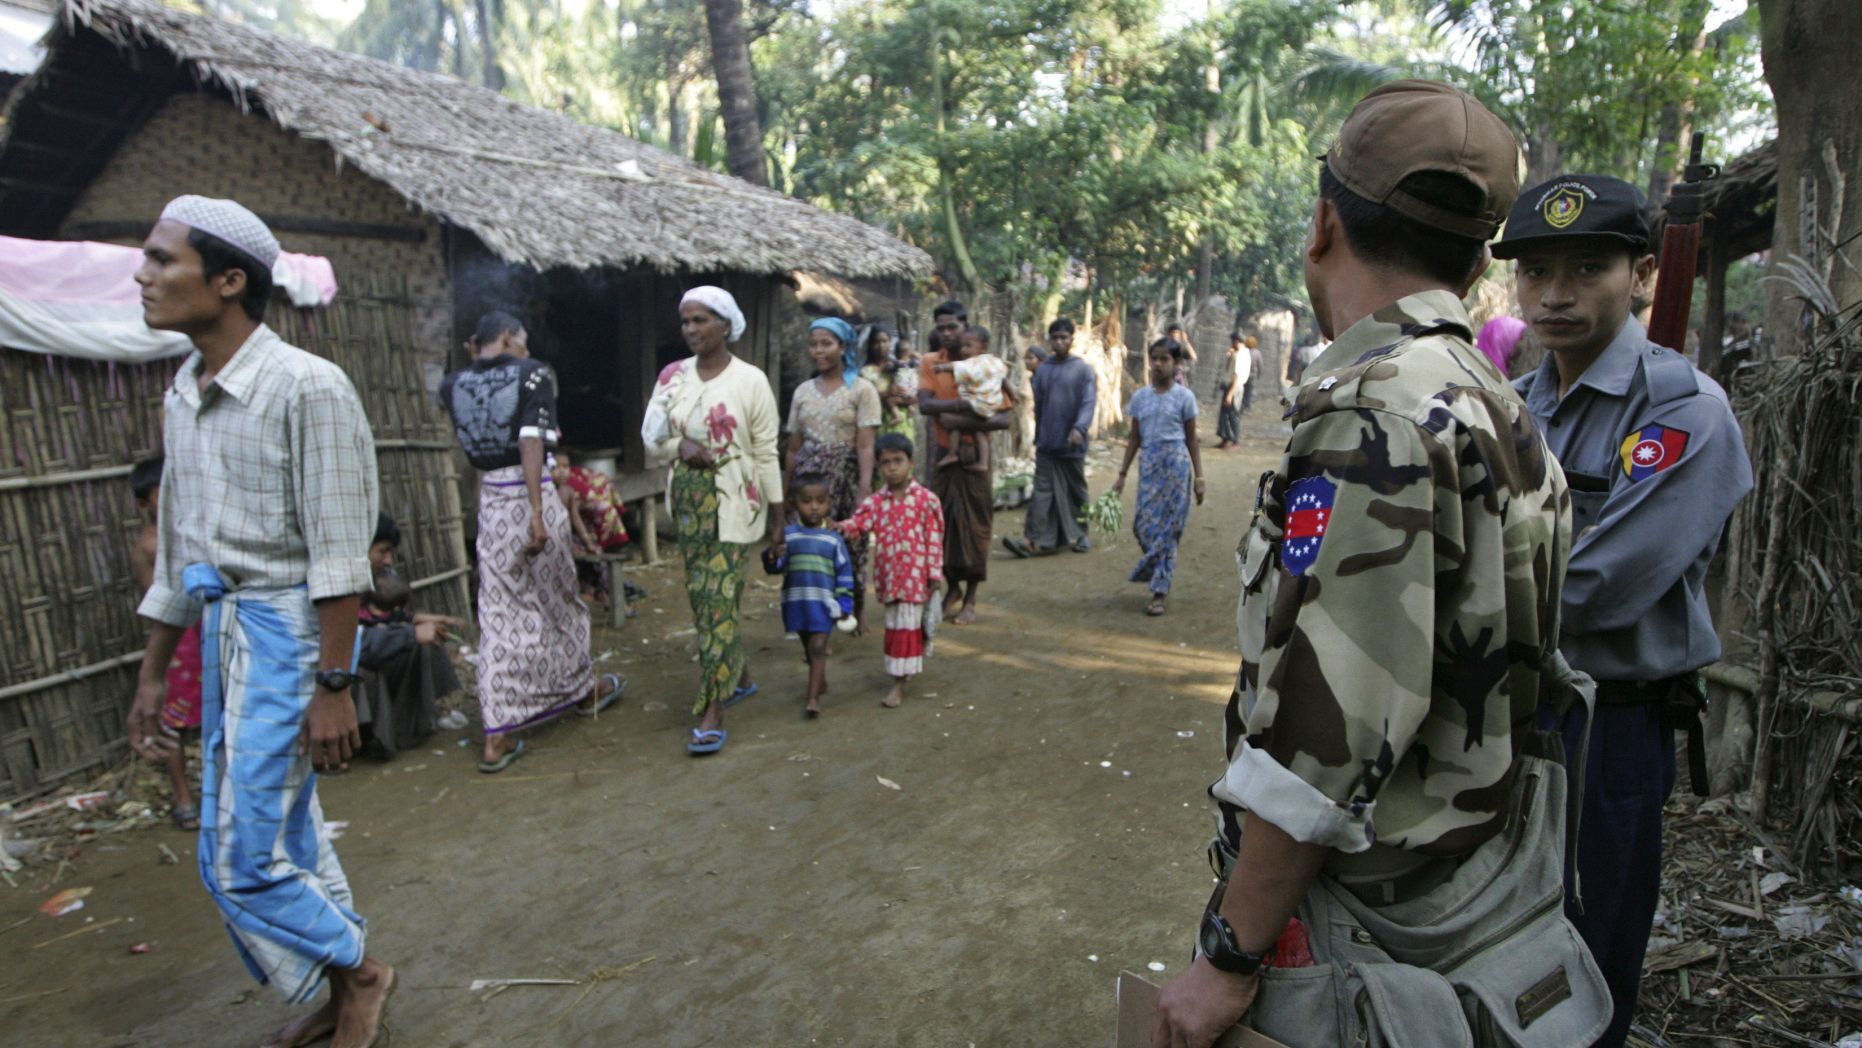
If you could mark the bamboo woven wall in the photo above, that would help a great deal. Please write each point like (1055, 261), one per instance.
(370, 331)
(69, 432)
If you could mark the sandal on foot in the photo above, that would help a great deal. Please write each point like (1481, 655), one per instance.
(612, 695)
(740, 694)
(1019, 547)
(183, 814)
(706, 740)
(1156, 607)
(510, 757)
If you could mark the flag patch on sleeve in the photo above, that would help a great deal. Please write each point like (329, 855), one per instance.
(1652, 449)
(1309, 516)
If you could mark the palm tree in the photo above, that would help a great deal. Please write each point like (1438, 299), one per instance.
(730, 62)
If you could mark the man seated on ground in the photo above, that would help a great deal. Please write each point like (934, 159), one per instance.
(406, 651)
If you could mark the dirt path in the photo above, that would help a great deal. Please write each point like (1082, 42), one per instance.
(1048, 831)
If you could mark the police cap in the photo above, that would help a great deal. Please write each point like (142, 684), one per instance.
(1572, 207)
(1409, 126)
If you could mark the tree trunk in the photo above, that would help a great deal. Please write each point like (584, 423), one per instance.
(730, 61)
(1545, 158)
(678, 124)
(1676, 124)
(1808, 48)
(490, 16)
(1212, 137)
(947, 196)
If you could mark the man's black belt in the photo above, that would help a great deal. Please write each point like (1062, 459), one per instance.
(1679, 703)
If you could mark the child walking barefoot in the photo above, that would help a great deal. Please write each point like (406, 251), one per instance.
(907, 522)
(979, 384)
(181, 708)
(817, 579)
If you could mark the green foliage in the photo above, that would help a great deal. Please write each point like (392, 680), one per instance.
(1584, 82)
(1060, 130)
(1105, 516)
(1068, 148)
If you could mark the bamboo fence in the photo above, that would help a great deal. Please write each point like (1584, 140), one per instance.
(70, 431)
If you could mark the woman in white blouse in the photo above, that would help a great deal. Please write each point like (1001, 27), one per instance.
(714, 416)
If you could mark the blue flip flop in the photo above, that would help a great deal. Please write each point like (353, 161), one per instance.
(510, 757)
(709, 740)
(612, 696)
(741, 694)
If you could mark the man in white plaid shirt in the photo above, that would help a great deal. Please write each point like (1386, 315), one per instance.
(268, 504)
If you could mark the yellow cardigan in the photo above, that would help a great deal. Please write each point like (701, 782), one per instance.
(734, 415)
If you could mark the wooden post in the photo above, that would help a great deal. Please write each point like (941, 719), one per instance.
(617, 594)
(1713, 310)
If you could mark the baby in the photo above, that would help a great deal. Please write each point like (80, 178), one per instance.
(979, 378)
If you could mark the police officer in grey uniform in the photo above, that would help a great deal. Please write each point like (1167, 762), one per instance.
(1655, 463)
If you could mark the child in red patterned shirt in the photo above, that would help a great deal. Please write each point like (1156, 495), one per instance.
(907, 522)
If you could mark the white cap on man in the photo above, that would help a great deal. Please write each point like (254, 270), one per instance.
(227, 220)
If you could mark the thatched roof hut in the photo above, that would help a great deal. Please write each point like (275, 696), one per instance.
(22, 23)
(474, 200)
(434, 200)
(1739, 205)
(536, 187)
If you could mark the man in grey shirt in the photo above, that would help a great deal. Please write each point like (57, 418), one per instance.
(1065, 396)
(268, 504)
(1655, 463)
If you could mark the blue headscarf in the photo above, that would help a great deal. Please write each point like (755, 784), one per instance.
(849, 355)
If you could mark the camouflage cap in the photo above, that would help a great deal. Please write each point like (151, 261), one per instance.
(1409, 126)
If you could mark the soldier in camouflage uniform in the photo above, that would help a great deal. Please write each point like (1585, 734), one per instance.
(1400, 581)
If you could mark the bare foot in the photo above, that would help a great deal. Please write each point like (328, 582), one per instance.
(947, 460)
(965, 617)
(307, 1028)
(978, 467)
(894, 697)
(859, 626)
(364, 1004)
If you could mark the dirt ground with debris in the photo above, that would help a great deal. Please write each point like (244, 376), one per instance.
(1047, 832)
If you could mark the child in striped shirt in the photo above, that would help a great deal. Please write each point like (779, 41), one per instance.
(817, 579)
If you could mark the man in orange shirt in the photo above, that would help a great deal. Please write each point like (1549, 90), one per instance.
(967, 495)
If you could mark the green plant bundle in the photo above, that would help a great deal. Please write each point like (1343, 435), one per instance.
(1105, 515)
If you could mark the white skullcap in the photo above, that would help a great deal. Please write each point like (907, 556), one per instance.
(719, 301)
(227, 220)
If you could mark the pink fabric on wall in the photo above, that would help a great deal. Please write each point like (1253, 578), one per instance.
(80, 299)
(1498, 338)
(104, 274)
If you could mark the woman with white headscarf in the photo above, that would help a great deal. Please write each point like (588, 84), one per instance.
(714, 417)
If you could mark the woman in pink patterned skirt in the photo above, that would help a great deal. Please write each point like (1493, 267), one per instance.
(533, 627)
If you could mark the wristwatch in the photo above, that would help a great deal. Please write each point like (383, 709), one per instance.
(335, 680)
(1217, 942)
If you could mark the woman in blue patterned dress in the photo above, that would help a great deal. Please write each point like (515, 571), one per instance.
(1163, 429)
